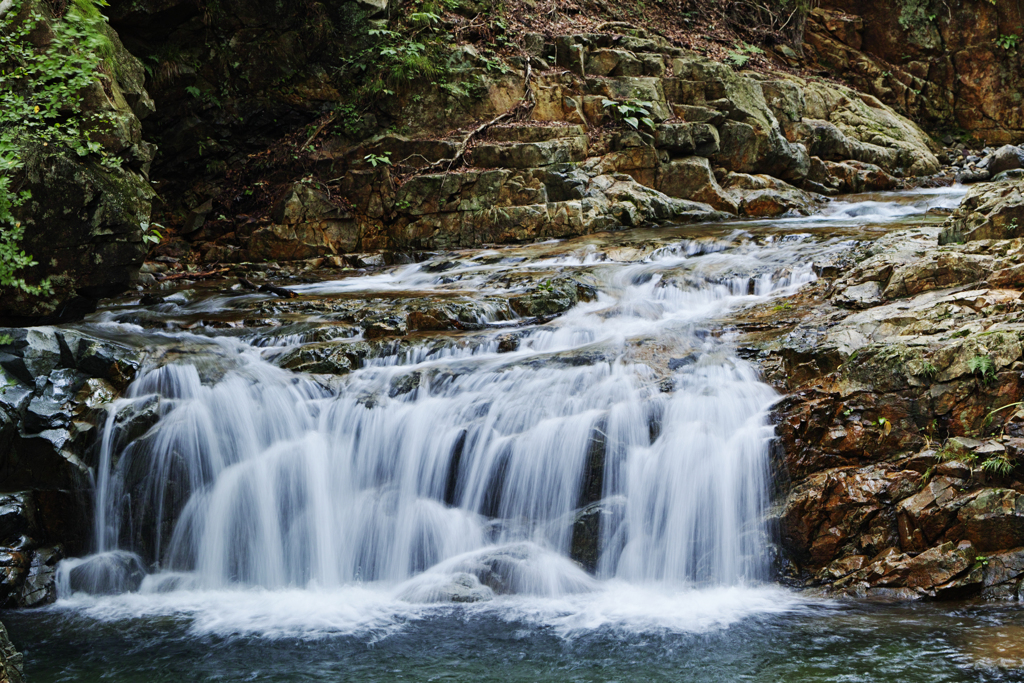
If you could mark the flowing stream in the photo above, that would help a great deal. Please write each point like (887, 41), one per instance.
(580, 497)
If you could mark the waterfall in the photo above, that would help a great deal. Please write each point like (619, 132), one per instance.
(461, 465)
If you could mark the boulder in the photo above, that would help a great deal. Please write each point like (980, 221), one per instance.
(989, 211)
(994, 519)
(1006, 158)
(692, 178)
(548, 298)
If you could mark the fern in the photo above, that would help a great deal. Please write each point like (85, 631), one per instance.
(982, 366)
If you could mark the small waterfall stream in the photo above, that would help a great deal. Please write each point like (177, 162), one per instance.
(626, 438)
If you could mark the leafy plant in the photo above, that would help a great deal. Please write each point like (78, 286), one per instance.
(997, 465)
(378, 159)
(1007, 43)
(743, 53)
(150, 234)
(634, 113)
(928, 370)
(1011, 226)
(982, 367)
(41, 93)
(953, 451)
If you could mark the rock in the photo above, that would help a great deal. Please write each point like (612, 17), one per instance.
(530, 155)
(1005, 158)
(11, 661)
(988, 211)
(84, 220)
(993, 520)
(685, 139)
(330, 358)
(39, 587)
(587, 525)
(691, 178)
(109, 573)
(972, 174)
(196, 218)
(550, 297)
(857, 176)
(915, 65)
(418, 321)
(461, 587)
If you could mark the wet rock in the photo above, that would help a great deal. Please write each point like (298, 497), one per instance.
(331, 358)
(108, 573)
(587, 525)
(40, 587)
(418, 321)
(549, 298)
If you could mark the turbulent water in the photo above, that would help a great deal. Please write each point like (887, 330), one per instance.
(608, 472)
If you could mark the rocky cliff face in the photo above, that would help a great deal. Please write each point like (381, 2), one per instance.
(83, 223)
(949, 67)
(902, 428)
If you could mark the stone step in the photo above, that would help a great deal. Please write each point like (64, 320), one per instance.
(530, 154)
(533, 133)
(401, 150)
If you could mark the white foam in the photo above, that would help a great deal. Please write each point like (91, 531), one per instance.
(373, 610)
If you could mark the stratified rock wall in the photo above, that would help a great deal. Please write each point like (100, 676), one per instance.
(947, 65)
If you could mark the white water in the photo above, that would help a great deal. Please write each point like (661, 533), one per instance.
(271, 504)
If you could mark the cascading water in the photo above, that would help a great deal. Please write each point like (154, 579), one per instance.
(455, 471)
(264, 478)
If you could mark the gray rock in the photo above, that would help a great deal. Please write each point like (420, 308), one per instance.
(1005, 158)
(39, 587)
(108, 573)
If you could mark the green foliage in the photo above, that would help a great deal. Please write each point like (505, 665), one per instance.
(742, 54)
(928, 370)
(1008, 43)
(40, 105)
(954, 451)
(1011, 226)
(982, 367)
(634, 113)
(150, 233)
(998, 466)
(378, 159)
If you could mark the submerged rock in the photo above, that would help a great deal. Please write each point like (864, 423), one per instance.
(108, 573)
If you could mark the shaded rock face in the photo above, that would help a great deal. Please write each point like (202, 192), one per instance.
(83, 223)
(56, 384)
(900, 432)
(11, 661)
(569, 170)
(945, 69)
